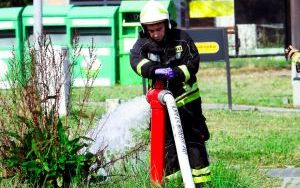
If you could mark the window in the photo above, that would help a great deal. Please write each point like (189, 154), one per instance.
(99, 35)
(57, 34)
(7, 38)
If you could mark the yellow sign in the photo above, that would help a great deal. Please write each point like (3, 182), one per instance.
(207, 47)
(211, 8)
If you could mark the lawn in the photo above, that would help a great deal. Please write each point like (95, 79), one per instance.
(256, 82)
(243, 144)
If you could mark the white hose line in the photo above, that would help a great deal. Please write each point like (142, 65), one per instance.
(166, 97)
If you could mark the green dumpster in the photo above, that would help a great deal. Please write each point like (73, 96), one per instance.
(129, 27)
(54, 21)
(10, 40)
(54, 24)
(95, 25)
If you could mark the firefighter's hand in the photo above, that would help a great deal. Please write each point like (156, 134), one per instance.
(289, 52)
(165, 73)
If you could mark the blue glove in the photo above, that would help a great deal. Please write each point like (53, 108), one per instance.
(165, 73)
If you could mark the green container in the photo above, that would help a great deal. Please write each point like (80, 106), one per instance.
(129, 27)
(54, 24)
(10, 40)
(95, 25)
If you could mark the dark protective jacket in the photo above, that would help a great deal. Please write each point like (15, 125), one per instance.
(176, 51)
(179, 52)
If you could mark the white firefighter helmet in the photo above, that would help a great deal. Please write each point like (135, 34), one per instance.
(154, 12)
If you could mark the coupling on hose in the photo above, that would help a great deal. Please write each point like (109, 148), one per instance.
(161, 95)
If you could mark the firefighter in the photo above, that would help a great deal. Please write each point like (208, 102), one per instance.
(163, 52)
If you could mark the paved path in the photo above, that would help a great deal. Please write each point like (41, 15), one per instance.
(250, 108)
(290, 176)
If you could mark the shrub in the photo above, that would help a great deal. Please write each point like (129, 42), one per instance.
(35, 140)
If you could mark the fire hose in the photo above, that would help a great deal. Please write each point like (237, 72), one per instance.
(157, 98)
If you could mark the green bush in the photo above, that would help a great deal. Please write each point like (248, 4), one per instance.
(47, 160)
(36, 143)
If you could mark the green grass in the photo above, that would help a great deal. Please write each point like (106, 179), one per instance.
(225, 176)
(255, 138)
(254, 81)
(132, 174)
(102, 93)
(259, 63)
(249, 142)
(243, 144)
(258, 82)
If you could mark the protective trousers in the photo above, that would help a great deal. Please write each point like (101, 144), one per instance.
(195, 134)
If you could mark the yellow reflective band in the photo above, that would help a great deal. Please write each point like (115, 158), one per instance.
(198, 172)
(202, 179)
(187, 87)
(185, 72)
(296, 57)
(139, 66)
(188, 99)
(188, 90)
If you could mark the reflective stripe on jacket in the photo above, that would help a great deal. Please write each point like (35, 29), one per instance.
(296, 58)
(191, 94)
(177, 51)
